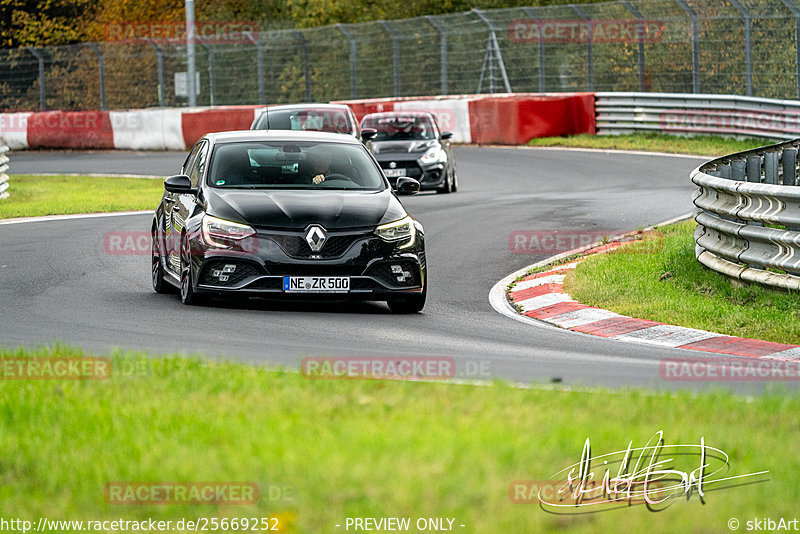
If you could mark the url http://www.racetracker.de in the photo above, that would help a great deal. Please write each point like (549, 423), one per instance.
(199, 524)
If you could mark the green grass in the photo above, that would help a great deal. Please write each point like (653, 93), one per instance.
(55, 195)
(629, 282)
(700, 145)
(366, 448)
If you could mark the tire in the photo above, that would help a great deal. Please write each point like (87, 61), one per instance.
(159, 284)
(188, 296)
(408, 304)
(448, 185)
(455, 180)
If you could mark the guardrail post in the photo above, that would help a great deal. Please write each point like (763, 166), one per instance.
(102, 68)
(353, 60)
(589, 48)
(737, 170)
(443, 34)
(259, 67)
(748, 65)
(3, 170)
(789, 164)
(160, 66)
(796, 15)
(395, 54)
(753, 169)
(771, 168)
(695, 45)
(211, 85)
(640, 54)
(42, 95)
(306, 73)
(529, 11)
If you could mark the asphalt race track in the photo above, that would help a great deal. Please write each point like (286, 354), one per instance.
(58, 283)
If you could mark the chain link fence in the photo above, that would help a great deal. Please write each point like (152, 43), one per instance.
(746, 47)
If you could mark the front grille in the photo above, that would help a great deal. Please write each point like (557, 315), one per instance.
(243, 271)
(316, 270)
(384, 273)
(267, 283)
(297, 247)
(364, 283)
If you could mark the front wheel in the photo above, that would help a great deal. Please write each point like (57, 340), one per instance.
(409, 303)
(159, 284)
(447, 186)
(188, 296)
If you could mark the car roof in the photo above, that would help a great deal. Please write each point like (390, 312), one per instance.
(308, 105)
(398, 113)
(282, 135)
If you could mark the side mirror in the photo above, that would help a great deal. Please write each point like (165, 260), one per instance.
(368, 133)
(180, 184)
(407, 186)
(447, 135)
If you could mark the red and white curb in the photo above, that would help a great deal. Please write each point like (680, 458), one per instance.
(540, 298)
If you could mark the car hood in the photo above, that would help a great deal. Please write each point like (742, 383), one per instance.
(297, 209)
(402, 147)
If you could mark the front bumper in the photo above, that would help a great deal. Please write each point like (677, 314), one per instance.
(259, 266)
(431, 176)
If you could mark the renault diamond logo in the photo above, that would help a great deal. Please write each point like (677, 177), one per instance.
(316, 237)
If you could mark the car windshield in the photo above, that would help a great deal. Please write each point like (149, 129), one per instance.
(400, 127)
(293, 165)
(314, 119)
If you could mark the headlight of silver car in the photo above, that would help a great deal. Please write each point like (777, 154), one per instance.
(400, 231)
(217, 231)
(434, 155)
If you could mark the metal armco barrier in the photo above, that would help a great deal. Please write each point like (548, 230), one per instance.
(3, 170)
(738, 195)
(619, 113)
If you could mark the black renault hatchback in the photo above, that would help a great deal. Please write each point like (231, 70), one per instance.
(289, 215)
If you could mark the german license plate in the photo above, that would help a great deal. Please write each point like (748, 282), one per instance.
(394, 173)
(316, 284)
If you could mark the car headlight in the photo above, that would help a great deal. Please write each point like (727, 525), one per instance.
(434, 155)
(402, 230)
(217, 231)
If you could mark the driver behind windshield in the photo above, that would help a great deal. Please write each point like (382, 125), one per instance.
(320, 164)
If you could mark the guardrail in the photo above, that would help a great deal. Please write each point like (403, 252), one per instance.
(3, 170)
(748, 218)
(674, 113)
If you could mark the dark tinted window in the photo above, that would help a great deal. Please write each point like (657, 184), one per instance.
(293, 165)
(401, 127)
(314, 119)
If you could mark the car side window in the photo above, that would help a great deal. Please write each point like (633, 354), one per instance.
(436, 130)
(190, 158)
(198, 164)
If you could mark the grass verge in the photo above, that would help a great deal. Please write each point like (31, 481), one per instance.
(59, 195)
(371, 448)
(700, 145)
(660, 279)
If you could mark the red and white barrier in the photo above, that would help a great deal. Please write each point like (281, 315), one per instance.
(500, 119)
(510, 119)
